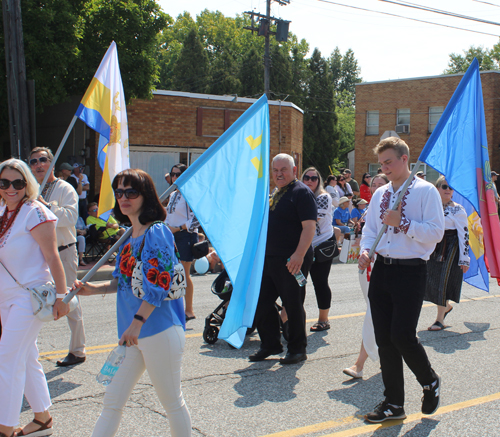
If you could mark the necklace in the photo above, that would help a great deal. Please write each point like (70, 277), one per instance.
(6, 221)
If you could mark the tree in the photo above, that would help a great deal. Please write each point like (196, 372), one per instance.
(460, 63)
(191, 72)
(252, 74)
(320, 120)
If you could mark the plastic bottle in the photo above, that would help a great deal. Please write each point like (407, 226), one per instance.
(301, 279)
(111, 365)
(226, 287)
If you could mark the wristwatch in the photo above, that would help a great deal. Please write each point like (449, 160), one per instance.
(140, 318)
(180, 228)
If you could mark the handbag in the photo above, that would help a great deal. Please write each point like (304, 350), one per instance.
(199, 250)
(43, 299)
(327, 250)
(178, 283)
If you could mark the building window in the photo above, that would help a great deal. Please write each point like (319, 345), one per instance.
(431, 175)
(373, 168)
(435, 113)
(371, 122)
(403, 116)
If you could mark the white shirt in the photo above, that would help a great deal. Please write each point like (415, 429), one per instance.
(334, 194)
(21, 254)
(455, 217)
(324, 228)
(85, 181)
(421, 227)
(342, 193)
(179, 213)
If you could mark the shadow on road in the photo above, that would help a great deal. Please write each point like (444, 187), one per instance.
(447, 342)
(421, 429)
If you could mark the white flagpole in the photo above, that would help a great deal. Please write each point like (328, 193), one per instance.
(394, 208)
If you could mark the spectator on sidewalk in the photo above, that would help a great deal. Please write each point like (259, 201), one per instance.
(83, 186)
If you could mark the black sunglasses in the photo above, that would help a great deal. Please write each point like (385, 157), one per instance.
(175, 174)
(18, 184)
(446, 187)
(43, 159)
(95, 209)
(130, 193)
(310, 178)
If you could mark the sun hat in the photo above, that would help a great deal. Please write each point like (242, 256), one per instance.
(343, 199)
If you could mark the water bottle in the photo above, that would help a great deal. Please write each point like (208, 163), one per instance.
(226, 287)
(111, 365)
(301, 279)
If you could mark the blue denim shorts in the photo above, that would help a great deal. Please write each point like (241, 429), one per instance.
(184, 241)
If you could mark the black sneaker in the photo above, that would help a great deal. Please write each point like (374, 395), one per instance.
(385, 411)
(430, 399)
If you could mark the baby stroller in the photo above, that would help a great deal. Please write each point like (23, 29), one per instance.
(222, 288)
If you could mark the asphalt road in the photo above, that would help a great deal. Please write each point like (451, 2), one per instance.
(230, 396)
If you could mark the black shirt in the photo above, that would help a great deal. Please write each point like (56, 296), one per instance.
(73, 183)
(288, 208)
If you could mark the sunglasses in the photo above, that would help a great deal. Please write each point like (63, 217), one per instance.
(130, 193)
(35, 161)
(95, 209)
(175, 174)
(310, 178)
(446, 187)
(18, 184)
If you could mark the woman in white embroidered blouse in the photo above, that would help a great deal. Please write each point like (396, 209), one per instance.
(28, 252)
(450, 260)
(184, 225)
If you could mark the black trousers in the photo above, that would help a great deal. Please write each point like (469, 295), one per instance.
(396, 294)
(277, 281)
(319, 275)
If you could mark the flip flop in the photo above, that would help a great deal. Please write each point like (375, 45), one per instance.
(188, 318)
(447, 312)
(438, 324)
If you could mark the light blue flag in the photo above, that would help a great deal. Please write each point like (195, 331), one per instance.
(228, 190)
(458, 149)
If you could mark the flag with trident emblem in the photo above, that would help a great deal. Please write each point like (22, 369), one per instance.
(228, 190)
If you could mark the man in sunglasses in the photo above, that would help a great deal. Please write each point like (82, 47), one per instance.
(61, 198)
(399, 276)
(83, 186)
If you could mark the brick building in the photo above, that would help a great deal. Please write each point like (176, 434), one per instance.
(170, 128)
(412, 108)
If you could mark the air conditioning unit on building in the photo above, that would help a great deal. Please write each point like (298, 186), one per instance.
(402, 128)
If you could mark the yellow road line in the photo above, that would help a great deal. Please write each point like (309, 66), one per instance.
(374, 427)
(92, 349)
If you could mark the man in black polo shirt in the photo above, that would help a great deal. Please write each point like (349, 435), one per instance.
(292, 223)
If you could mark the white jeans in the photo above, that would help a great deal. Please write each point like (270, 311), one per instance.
(20, 371)
(161, 355)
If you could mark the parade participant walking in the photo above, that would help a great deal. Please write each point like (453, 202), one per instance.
(450, 260)
(320, 268)
(368, 343)
(62, 200)
(28, 253)
(184, 225)
(152, 328)
(398, 279)
(292, 223)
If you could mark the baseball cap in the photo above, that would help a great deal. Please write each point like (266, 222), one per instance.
(65, 166)
(494, 173)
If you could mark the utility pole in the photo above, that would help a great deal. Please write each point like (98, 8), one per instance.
(265, 30)
(17, 89)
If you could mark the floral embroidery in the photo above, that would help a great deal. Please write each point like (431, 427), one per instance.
(164, 280)
(152, 276)
(405, 223)
(127, 261)
(153, 262)
(278, 194)
(384, 204)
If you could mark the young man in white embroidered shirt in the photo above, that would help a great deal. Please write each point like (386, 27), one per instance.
(398, 279)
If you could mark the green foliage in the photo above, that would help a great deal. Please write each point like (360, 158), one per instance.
(488, 59)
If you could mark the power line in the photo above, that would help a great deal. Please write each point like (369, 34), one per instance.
(438, 11)
(406, 18)
(487, 3)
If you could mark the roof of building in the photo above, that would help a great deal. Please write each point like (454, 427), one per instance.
(229, 98)
(423, 77)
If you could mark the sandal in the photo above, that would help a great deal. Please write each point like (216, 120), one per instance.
(439, 326)
(43, 431)
(320, 326)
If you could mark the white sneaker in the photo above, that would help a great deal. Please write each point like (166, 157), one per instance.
(352, 373)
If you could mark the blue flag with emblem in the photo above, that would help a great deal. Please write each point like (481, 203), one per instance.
(228, 190)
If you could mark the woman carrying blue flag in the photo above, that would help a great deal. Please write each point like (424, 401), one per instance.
(450, 259)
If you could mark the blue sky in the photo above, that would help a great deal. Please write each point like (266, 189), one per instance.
(386, 47)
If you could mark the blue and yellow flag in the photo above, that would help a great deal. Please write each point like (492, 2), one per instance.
(458, 149)
(103, 109)
(228, 190)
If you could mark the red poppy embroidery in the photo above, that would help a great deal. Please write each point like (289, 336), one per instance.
(152, 276)
(124, 263)
(164, 280)
(126, 249)
(130, 266)
(154, 262)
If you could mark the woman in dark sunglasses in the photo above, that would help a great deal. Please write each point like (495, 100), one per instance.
(151, 327)
(320, 269)
(344, 189)
(450, 260)
(184, 225)
(29, 254)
